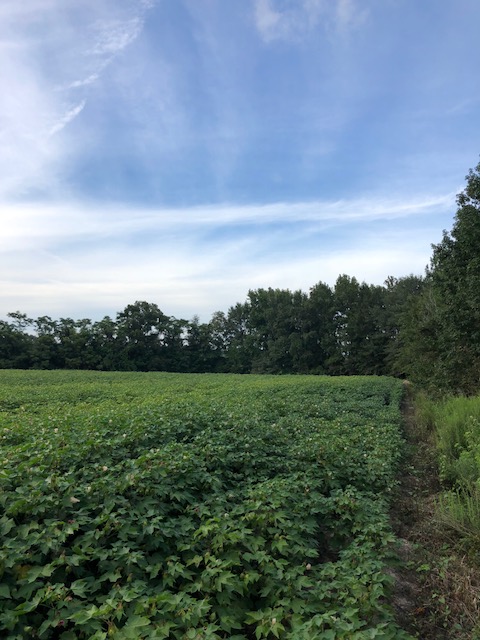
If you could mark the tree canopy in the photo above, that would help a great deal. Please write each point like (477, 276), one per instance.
(345, 329)
(443, 326)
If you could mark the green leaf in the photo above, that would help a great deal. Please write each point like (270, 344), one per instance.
(133, 624)
(6, 525)
(5, 591)
(79, 588)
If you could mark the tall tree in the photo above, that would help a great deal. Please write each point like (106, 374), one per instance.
(76, 346)
(319, 329)
(15, 346)
(455, 279)
(106, 346)
(403, 304)
(46, 352)
(140, 333)
(277, 327)
(238, 339)
(360, 328)
(204, 347)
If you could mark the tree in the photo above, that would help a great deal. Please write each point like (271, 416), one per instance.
(440, 331)
(46, 352)
(455, 279)
(403, 304)
(276, 324)
(361, 328)
(205, 354)
(238, 339)
(76, 344)
(106, 347)
(140, 333)
(319, 329)
(15, 346)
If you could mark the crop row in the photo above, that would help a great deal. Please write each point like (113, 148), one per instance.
(196, 506)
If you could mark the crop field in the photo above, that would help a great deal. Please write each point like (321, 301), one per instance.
(196, 506)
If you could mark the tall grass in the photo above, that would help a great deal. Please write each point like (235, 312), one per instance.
(460, 512)
(455, 423)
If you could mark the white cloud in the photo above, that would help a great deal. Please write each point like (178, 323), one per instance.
(70, 115)
(185, 281)
(295, 18)
(70, 261)
(50, 58)
(114, 36)
(37, 225)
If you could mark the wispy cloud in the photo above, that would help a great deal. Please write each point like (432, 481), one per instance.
(36, 225)
(329, 156)
(296, 18)
(76, 84)
(51, 57)
(70, 115)
(113, 36)
(68, 260)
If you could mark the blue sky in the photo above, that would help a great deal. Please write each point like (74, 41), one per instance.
(185, 151)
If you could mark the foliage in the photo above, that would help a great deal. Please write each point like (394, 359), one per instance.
(144, 505)
(350, 329)
(456, 421)
(443, 328)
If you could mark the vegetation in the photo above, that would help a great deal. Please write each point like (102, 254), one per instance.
(441, 329)
(456, 424)
(186, 506)
(150, 506)
(437, 583)
(351, 329)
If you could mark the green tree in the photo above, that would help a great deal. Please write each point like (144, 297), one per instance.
(46, 352)
(140, 333)
(455, 280)
(319, 329)
(238, 339)
(107, 349)
(361, 328)
(15, 346)
(205, 354)
(418, 354)
(76, 346)
(403, 304)
(277, 325)
(173, 354)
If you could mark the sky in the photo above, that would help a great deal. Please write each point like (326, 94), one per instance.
(184, 152)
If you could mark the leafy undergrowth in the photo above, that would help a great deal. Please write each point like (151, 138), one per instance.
(196, 506)
(437, 586)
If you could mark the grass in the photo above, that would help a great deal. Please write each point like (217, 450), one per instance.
(438, 525)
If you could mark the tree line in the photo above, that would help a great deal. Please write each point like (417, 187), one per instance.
(350, 328)
(426, 328)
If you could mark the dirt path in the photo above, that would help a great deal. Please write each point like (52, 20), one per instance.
(437, 592)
